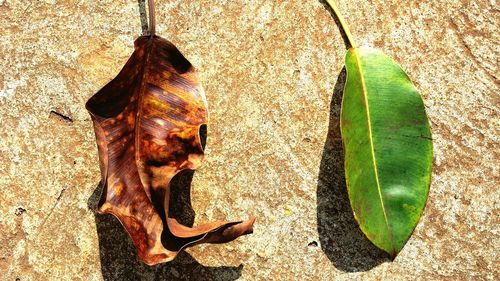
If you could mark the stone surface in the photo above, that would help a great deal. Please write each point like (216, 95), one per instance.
(272, 71)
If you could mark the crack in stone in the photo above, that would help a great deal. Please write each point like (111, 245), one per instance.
(61, 116)
(469, 52)
(58, 199)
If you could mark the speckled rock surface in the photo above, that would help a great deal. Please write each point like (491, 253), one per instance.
(272, 71)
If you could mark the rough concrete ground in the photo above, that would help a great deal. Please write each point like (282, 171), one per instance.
(272, 71)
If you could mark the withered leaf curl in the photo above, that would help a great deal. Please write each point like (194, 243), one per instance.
(147, 123)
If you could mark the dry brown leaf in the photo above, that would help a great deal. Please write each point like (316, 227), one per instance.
(147, 123)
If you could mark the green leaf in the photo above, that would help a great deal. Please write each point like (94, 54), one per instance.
(388, 148)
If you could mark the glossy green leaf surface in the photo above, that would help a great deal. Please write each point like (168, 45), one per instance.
(388, 148)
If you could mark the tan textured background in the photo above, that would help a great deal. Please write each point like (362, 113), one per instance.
(272, 71)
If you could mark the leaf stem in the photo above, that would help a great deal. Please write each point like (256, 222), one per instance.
(343, 24)
(152, 19)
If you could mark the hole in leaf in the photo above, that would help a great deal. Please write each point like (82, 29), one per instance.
(203, 135)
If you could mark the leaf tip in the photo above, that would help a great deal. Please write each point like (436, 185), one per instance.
(242, 228)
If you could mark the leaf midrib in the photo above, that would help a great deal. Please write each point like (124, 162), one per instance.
(144, 72)
(365, 98)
